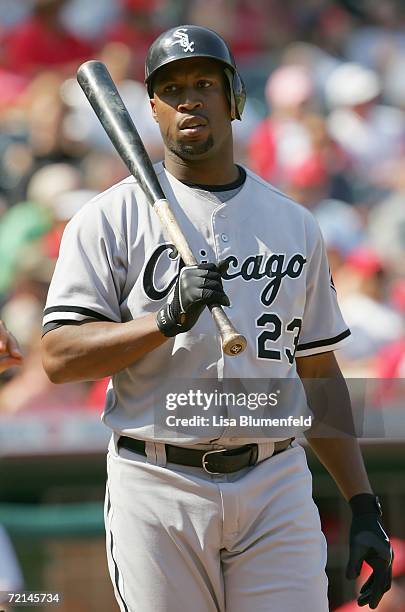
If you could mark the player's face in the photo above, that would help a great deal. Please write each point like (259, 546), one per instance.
(191, 108)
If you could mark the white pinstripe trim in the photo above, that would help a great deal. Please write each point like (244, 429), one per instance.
(63, 316)
(323, 349)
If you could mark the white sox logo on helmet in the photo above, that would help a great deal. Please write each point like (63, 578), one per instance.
(183, 40)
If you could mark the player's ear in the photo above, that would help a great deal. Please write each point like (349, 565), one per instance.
(153, 107)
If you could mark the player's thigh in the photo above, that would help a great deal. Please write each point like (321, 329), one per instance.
(162, 534)
(278, 561)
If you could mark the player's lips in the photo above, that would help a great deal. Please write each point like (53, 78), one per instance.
(193, 125)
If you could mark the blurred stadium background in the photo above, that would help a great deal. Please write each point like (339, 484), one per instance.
(325, 123)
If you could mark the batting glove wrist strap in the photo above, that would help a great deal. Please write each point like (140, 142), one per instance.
(365, 503)
(166, 323)
(196, 287)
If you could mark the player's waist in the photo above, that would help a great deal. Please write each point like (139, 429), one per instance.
(213, 461)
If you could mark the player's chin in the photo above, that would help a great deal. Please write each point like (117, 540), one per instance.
(190, 149)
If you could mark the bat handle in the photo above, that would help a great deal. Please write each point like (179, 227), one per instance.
(233, 343)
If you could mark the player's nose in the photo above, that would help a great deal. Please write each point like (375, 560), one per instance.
(190, 101)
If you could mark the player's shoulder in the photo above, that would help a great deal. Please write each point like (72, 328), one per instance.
(118, 206)
(119, 194)
(106, 200)
(273, 196)
(112, 206)
(271, 193)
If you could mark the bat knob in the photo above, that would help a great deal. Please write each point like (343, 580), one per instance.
(234, 344)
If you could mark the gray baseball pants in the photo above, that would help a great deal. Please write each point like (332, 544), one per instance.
(179, 539)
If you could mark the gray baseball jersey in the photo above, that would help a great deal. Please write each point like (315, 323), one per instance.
(116, 264)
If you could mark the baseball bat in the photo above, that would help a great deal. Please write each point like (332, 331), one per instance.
(101, 92)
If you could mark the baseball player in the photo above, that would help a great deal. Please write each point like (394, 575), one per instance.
(211, 520)
(10, 354)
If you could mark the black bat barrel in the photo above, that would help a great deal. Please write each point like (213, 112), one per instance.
(101, 92)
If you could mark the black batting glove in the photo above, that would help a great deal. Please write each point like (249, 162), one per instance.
(369, 543)
(196, 287)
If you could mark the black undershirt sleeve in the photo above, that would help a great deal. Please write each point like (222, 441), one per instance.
(55, 324)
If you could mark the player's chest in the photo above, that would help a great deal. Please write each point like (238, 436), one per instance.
(262, 267)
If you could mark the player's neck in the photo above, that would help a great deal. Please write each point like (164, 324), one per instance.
(202, 171)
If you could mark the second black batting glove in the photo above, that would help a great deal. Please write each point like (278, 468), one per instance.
(370, 543)
(196, 287)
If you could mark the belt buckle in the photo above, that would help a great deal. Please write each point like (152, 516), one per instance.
(205, 461)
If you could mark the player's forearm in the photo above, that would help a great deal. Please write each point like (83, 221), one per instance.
(97, 349)
(328, 397)
(344, 462)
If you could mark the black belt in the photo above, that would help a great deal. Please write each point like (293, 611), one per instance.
(218, 461)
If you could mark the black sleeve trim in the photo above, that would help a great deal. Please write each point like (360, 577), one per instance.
(326, 342)
(79, 310)
(56, 324)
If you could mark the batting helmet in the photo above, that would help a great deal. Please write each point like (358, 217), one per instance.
(189, 41)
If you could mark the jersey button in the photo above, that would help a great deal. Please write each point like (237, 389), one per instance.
(224, 238)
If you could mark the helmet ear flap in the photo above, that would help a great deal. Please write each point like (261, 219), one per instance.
(237, 93)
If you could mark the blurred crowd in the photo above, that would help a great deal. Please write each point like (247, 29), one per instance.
(324, 123)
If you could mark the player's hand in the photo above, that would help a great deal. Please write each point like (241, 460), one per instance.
(10, 354)
(196, 287)
(369, 543)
